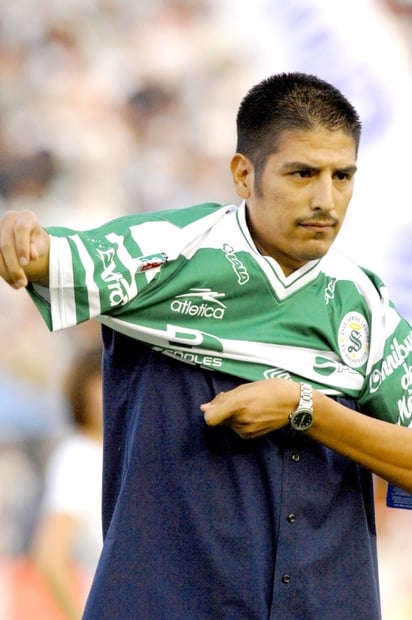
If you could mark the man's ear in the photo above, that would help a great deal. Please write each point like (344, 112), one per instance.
(242, 174)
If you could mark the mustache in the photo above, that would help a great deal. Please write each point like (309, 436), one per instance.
(319, 218)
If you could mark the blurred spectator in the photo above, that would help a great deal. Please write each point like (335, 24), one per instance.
(402, 11)
(70, 526)
(109, 107)
(27, 176)
(20, 490)
(51, 582)
(69, 70)
(400, 6)
(166, 151)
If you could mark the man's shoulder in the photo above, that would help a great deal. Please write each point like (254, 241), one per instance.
(337, 263)
(178, 217)
(339, 267)
(187, 215)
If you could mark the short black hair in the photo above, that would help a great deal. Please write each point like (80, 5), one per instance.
(290, 102)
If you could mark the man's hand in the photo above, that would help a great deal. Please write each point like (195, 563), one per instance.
(254, 409)
(24, 249)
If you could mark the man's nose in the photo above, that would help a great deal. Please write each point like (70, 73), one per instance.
(323, 194)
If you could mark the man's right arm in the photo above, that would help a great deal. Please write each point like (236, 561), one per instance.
(24, 249)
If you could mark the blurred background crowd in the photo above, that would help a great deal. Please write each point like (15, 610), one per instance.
(109, 107)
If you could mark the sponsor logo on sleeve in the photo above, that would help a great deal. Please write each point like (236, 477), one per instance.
(119, 268)
(399, 352)
(120, 290)
(150, 261)
(405, 403)
(397, 361)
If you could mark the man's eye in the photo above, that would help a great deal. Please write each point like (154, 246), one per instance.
(342, 176)
(303, 174)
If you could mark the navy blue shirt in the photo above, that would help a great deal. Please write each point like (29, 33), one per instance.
(200, 524)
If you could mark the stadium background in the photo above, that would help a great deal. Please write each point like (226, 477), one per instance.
(109, 107)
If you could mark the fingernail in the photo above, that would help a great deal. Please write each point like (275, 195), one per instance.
(23, 261)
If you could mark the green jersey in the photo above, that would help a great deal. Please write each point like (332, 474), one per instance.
(192, 284)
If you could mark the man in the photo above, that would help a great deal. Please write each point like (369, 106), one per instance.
(231, 316)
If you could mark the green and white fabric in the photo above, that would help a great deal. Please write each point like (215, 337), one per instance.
(191, 283)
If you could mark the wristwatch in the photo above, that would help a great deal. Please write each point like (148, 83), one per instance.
(302, 418)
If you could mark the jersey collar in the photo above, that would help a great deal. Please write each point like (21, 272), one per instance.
(283, 285)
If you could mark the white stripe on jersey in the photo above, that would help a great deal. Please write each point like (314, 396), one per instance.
(270, 355)
(61, 285)
(93, 294)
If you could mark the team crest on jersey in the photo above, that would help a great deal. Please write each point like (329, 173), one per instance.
(353, 339)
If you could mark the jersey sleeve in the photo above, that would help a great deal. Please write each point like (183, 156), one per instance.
(94, 272)
(387, 392)
(99, 272)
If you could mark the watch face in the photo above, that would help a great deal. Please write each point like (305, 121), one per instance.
(301, 419)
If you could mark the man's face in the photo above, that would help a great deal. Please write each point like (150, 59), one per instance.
(297, 206)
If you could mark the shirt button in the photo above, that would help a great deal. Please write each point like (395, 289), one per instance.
(292, 518)
(286, 578)
(295, 457)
